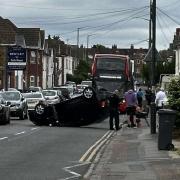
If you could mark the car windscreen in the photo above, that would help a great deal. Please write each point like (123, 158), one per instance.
(11, 96)
(31, 95)
(49, 93)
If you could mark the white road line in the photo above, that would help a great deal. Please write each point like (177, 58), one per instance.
(74, 174)
(3, 138)
(20, 133)
(97, 142)
(33, 129)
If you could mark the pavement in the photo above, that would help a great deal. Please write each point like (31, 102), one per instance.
(132, 154)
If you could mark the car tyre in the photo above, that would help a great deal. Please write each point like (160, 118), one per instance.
(88, 93)
(40, 109)
(22, 115)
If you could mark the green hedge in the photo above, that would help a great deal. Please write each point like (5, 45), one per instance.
(174, 97)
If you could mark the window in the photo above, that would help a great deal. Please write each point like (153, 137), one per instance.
(110, 64)
(32, 81)
(66, 63)
(33, 57)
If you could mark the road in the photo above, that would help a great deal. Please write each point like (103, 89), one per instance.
(48, 153)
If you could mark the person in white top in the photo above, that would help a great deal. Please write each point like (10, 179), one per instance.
(160, 98)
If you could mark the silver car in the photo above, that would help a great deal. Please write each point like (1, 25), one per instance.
(18, 107)
(4, 111)
(33, 98)
(52, 96)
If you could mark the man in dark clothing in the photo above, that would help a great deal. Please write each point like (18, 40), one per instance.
(149, 96)
(113, 110)
(140, 97)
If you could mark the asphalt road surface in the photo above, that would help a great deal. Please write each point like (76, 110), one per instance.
(48, 153)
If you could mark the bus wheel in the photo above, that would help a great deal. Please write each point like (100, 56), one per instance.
(88, 93)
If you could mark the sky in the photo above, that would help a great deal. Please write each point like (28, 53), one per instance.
(105, 22)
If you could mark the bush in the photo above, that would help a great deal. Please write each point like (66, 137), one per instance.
(174, 97)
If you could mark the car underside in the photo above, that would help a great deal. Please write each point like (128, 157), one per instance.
(78, 111)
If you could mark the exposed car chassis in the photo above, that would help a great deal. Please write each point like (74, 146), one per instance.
(78, 111)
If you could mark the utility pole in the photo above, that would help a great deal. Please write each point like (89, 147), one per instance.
(87, 47)
(153, 105)
(78, 44)
(153, 43)
(150, 25)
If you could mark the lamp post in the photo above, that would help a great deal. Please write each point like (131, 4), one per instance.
(88, 36)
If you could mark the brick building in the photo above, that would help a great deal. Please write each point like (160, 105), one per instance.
(32, 39)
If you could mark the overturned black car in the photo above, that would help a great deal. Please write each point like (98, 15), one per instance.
(78, 111)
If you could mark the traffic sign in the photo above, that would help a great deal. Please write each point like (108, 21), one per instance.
(16, 58)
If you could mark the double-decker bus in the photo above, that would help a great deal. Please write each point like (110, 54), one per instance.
(111, 72)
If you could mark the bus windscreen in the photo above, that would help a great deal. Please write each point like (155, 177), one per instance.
(110, 64)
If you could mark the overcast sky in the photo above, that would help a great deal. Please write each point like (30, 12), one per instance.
(105, 22)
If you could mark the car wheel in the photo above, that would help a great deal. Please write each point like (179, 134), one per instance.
(40, 109)
(8, 118)
(88, 93)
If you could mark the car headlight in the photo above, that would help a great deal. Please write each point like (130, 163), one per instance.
(18, 105)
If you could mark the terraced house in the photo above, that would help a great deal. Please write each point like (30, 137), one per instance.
(45, 64)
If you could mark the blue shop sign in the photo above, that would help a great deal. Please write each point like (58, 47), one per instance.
(16, 58)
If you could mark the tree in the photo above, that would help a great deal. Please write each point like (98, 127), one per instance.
(81, 73)
(174, 97)
(165, 66)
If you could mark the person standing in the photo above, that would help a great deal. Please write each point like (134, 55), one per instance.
(160, 98)
(140, 97)
(131, 101)
(113, 110)
(149, 96)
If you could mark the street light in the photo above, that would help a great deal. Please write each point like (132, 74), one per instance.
(88, 36)
(78, 29)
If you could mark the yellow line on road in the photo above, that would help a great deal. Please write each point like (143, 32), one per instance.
(108, 134)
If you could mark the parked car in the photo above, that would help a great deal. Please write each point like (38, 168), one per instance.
(80, 88)
(33, 98)
(88, 83)
(34, 89)
(10, 89)
(64, 91)
(53, 96)
(18, 107)
(4, 111)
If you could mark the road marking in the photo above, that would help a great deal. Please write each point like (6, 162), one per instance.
(108, 134)
(20, 133)
(33, 129)
(74, 174)
(97, 148)
(3, 138)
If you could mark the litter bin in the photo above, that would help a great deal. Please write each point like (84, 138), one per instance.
(166, 123)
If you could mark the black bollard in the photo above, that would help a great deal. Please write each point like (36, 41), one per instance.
(153, 118)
